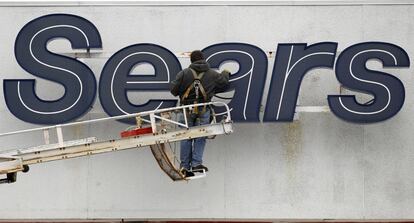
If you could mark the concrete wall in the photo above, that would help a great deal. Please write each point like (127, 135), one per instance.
(318, 167)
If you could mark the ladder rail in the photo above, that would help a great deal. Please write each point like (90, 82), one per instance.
(119, 117)
(13, 161)
(31, 156)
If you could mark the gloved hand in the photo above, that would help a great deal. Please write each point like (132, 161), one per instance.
(225, 71)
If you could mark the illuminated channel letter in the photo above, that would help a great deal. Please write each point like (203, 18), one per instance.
(292, 63)
(33, 56)
(248, 82)
(352, 73)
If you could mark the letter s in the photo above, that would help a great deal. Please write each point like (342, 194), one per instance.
(33, 56)
(388, 91)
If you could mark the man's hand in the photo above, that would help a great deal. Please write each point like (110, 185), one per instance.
(225, 71)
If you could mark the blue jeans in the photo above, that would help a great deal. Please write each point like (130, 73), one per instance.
(192, 150)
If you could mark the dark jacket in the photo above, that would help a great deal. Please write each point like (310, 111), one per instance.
(212, 81)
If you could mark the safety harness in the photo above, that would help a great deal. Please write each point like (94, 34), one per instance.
(198, 88)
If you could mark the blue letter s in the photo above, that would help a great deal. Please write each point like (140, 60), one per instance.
(32, 55)
(388, 91)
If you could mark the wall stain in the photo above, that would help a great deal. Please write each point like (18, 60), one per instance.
(292, 145)
(291, 142)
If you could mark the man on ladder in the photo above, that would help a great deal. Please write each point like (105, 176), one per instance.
(197, 84)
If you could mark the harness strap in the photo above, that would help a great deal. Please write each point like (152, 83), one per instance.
(196, 84)
(198, 78)
(187, 92)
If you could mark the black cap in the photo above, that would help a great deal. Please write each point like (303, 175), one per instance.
(196, 55)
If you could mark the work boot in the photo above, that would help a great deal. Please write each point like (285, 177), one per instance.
(186, 173)
(200, 168)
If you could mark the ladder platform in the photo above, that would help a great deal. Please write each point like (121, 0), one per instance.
(163, 131)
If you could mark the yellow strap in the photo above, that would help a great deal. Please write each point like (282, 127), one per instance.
(203, 92)
(195, 109)
(187, 92)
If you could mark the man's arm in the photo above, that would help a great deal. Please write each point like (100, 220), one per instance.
(222, 81)
(175, 84)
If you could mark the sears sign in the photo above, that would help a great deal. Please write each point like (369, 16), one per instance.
(292, 62)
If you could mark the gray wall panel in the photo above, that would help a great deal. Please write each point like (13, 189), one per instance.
(318, 167)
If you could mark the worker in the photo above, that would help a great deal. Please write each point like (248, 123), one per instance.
(197, 84)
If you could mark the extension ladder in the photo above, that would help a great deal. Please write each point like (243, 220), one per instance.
(162, 131)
